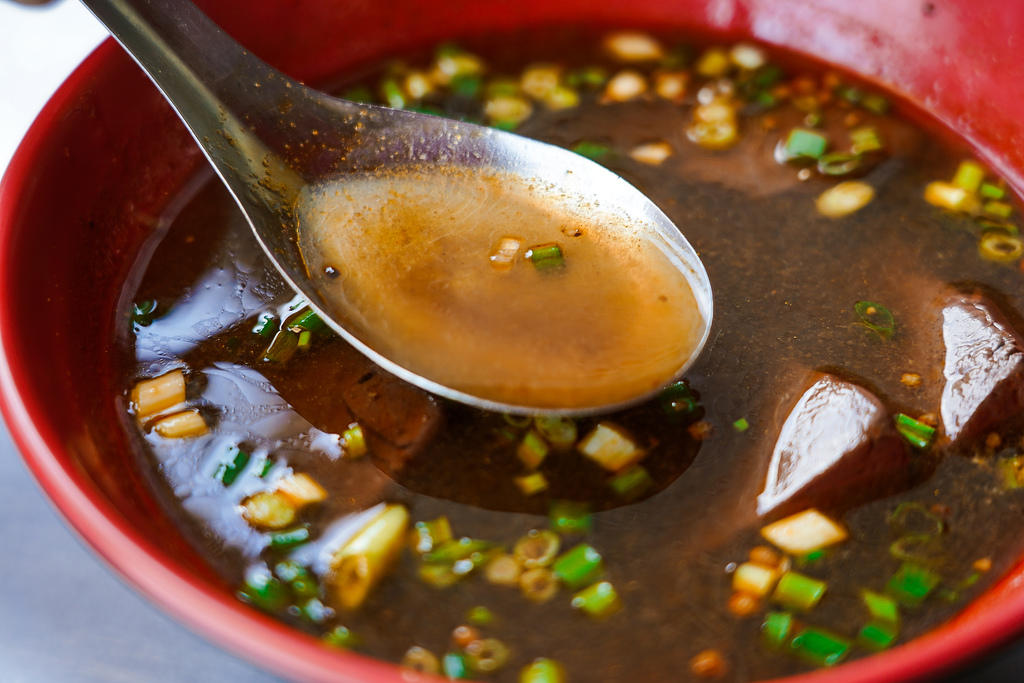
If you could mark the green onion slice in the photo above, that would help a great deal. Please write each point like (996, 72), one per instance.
(229, 470)
(568, 517)
(804, 144)
(917, 433)
(839, 163)
(546, 257)
(999, 246)
(578, 567)
(876, 318)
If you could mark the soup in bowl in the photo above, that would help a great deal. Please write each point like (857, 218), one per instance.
(810, 494)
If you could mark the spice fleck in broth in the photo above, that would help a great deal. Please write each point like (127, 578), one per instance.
(841, 470)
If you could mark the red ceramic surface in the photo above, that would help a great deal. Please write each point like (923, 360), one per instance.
(105, 156)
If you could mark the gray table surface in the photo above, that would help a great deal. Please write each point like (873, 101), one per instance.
(64, 617)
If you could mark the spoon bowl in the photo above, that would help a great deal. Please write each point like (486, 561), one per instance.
(271, 139)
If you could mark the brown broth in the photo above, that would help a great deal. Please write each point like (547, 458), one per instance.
(785, 282)
(411, 264)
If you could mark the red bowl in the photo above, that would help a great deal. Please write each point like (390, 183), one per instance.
(106, 155)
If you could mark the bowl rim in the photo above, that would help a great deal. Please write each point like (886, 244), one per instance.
(242, 630)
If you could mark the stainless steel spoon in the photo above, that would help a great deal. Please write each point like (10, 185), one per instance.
(269, 136)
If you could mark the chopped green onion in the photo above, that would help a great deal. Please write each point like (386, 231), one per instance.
(542, 671)
(776, 628)
(875, 103)
(578, 567)
(546, 257)
(142, 313)
(507, 125)
(426, 536)
(305, 337)
(996, 245)
(679, 399)
(353, 441)
(911, 584)
(518, 421)
(265, 591)
(819, 647)
(839, 163)
(282, 540)
(850, 93)
(1012, 470)
(805, 144)
(298, 577)
(558, 431)
(587, 77)
(532, 450)
(767, 76)
(915, 519)
(865, 139)
(877, 636)
(538, 585)
(284, 346)
(568, 517)
(228, 471)
(358, 94)
(266, 325)
(466, 85)
(917, 434)
(591, 150)
(305, 319)
(991, 191)
(813, 119)
(265, 465)
(438, 575)
(532, 484)
(598, 601)
(741, 425)
(480, 615)
(631, 483)
(798, 591)
(315, 611)
(455, 666)
(449, 552)
(876, 318)
(342, 637)
(536, 549)
(419, 659)
(882, 608)
(502, 87)
(969, 175)
(487, 654)
(1000, 209)
(392, 93)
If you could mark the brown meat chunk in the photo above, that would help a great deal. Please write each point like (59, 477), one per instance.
(983, 370)
(837, 447)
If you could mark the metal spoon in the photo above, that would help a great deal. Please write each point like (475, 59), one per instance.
(269, 137)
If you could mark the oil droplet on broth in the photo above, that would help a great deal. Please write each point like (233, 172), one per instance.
(411, 274)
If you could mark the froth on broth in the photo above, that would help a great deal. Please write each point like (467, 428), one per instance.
(413, 260)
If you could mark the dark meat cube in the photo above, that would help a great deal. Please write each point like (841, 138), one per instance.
(983, 369)
(838, 447)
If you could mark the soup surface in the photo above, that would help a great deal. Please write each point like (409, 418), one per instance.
(840, 471)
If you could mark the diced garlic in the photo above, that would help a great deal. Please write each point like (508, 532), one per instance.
(624, 86)
(359, 565)
(268, 510)
(714, 63)
(714, 124)
(150, 396)
(538, 80)
(610, 447)
(845, 198)
(503, 258)
(671, 85)
(653, 153)
(507, 108)
(301, 489)
(747, 56)
(632, 46)
(804, 532)
(949, 196)
(531, 484)
(461, 64)
(418, 85)
(181, 425)
(755, 579)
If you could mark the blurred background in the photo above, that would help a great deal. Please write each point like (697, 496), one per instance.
(65, 617)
